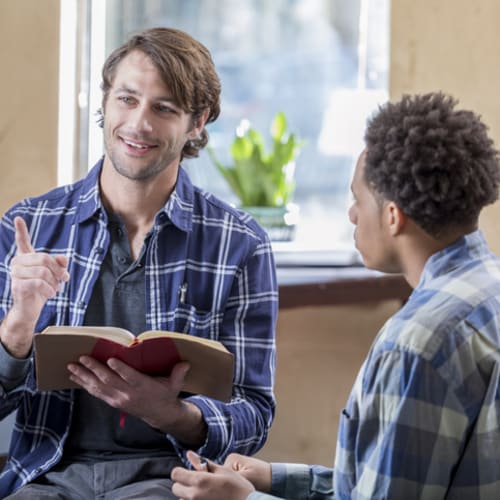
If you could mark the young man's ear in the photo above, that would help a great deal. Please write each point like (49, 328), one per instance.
(198, 124)
(396, 219)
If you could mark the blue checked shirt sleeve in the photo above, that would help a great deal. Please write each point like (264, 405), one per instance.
(249, 330)
(298, 481)
(13, 372)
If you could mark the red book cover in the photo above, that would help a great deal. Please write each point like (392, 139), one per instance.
(155, 356)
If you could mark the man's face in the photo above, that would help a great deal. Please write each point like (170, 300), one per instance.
(371, 235)
(145, 130)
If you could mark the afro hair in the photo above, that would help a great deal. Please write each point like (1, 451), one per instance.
(436, 163)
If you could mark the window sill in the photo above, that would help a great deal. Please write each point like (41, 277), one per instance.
(292, 255)
(329, 286)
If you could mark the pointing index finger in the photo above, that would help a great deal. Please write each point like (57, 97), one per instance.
(23, 240)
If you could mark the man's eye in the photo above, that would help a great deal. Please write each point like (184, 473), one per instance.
(164, 109)
(125, 99)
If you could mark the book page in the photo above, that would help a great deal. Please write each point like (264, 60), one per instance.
(119, 335)
(151, 334)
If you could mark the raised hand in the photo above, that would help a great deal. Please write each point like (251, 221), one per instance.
(35, 277)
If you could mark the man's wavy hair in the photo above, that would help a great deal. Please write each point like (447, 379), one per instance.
(186, 68)
(436, 163)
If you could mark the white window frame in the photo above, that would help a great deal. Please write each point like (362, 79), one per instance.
(87, 18)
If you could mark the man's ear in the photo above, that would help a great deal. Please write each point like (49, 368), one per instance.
(198, 124)
(395, 218)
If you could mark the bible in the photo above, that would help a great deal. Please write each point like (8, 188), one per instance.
(152, 352)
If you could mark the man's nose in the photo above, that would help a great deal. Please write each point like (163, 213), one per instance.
(141, 119)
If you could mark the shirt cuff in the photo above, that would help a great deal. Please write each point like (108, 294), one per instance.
(289, 479)
(256, 495)
(13, 371)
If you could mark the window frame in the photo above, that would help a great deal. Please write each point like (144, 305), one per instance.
(85, 55)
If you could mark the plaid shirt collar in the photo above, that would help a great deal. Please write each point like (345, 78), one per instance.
(178, 209)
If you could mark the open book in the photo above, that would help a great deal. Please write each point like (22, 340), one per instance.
(152, 352)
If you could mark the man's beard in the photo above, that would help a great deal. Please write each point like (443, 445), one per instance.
(149, 170)
(146, 173)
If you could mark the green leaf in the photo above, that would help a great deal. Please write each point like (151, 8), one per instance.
(278, 126)
(258, 178)
(241, 148)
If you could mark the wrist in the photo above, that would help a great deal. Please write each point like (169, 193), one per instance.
(187, 425)
(16, 335)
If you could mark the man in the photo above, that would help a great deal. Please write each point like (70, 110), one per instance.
(135, 245)
(422, 420)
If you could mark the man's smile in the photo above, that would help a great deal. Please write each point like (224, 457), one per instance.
(137, 147)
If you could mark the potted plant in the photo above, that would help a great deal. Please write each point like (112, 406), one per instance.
(264, 181)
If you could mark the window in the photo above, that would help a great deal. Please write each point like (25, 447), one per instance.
(322, 62)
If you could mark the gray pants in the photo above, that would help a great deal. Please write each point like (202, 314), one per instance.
(133, 478)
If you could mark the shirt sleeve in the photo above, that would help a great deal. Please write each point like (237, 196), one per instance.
(13, 371)
(297, 481)
(257, 495)
(248, 330)
(401, 432)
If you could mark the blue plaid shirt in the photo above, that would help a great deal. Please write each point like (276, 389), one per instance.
(423, 417)
(222, 256)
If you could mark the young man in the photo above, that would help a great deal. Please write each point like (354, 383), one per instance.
(135, 245)
(422, 420)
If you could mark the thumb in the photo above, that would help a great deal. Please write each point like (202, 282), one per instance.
(199, 463)
(22, 236)
(178, 373)
(203, 464)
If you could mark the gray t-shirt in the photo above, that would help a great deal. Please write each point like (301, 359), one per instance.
(118, 299)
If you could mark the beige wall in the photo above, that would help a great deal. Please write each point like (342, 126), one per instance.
(319, 353)
(454, 46)
(29, 41)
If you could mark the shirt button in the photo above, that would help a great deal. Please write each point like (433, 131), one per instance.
(99, 250)
(122, 260)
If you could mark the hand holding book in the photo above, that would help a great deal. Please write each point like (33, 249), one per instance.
(152, 353)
